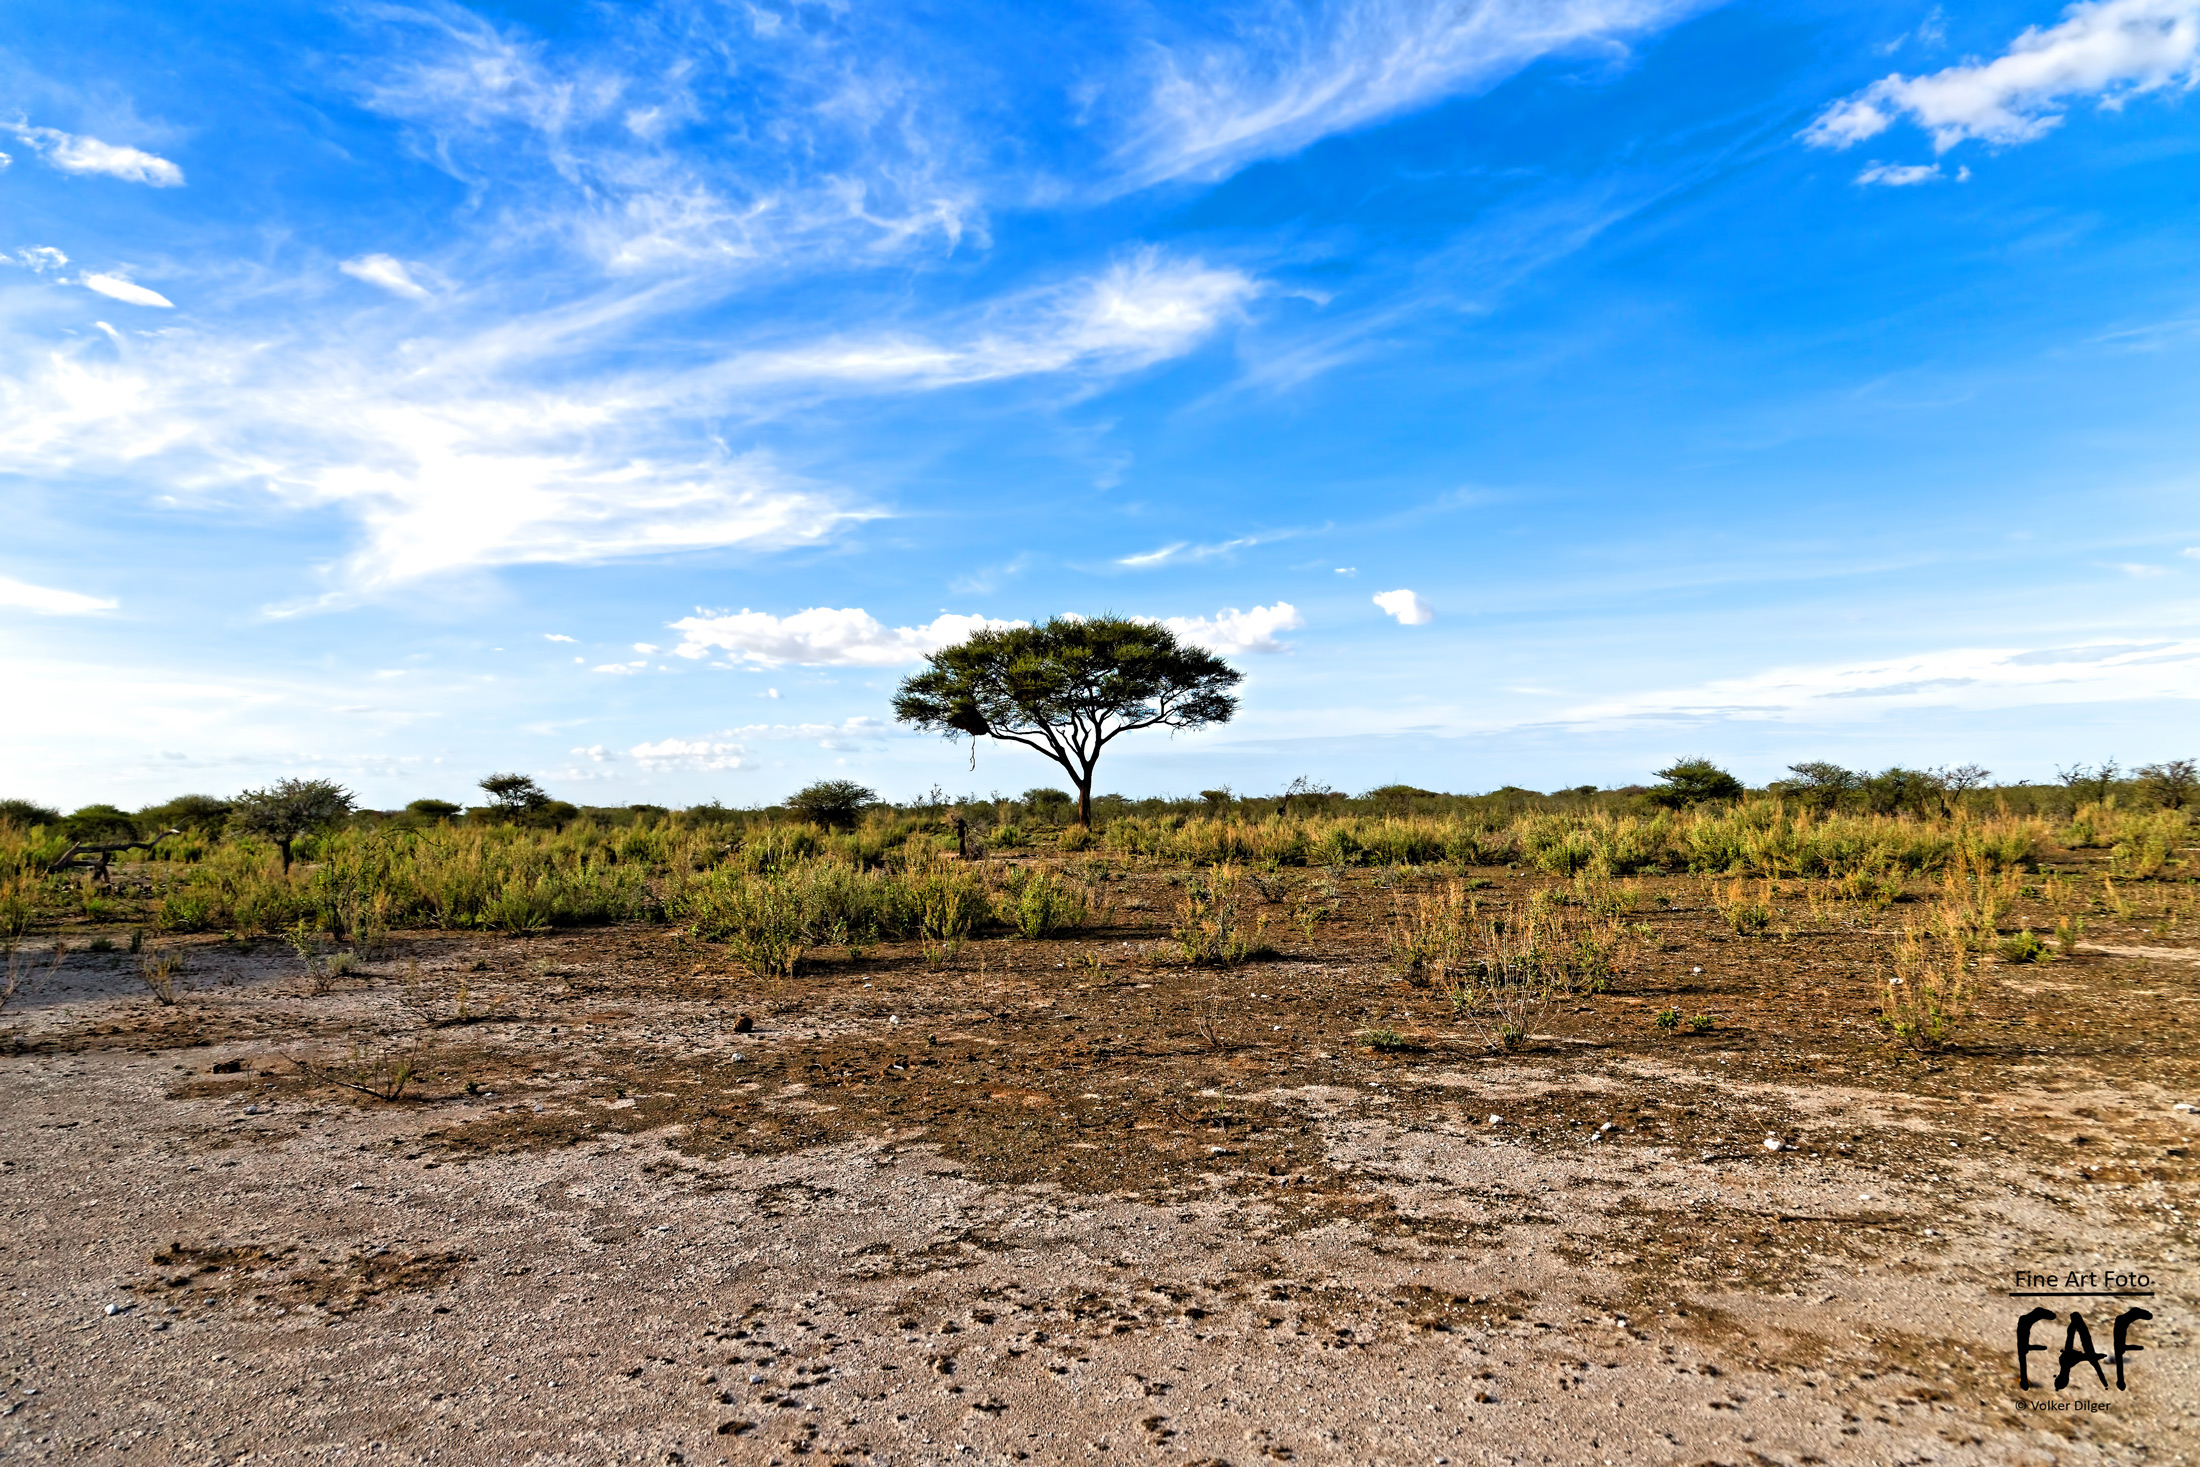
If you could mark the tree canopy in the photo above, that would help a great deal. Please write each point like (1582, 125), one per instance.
(832, 803)
(1695, 781)
(1067, 688)
(290, 808)
(514, 794)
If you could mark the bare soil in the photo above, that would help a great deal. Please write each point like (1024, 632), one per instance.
(1070, 1200)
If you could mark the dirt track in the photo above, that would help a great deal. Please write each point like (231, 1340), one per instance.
(1061, 1201)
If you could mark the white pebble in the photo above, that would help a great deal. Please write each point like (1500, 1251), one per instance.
(1773, 1143)
(1493, 1120)
(1695, 970)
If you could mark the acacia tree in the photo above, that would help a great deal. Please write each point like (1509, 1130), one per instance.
(290, 808)
(1068, 688)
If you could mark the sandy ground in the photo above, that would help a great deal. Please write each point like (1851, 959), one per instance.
(981, 1214)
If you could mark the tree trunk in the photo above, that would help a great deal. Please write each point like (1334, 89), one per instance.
(283, 845)
(1084, 800)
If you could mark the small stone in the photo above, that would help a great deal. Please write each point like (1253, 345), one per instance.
(1863, 1196)
(743, 1024)
(1695, 970)
(1493, 1120)
(160, 1324)
(893, 1020)
(1605, 1127)
(2186, 1106)
(1774, 1143)
(1931, 1234)
(251, 1110)
(114, 1309)
(228, 1067)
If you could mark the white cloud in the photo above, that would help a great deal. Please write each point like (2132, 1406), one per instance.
(831, 147)
(46, 601)
(2139, 570)
(1232, 630)
(75, 154)
(2109, 50)
(1410, 609)
(385, 271)
(821, 637)
(1291, 73)
(1899, 175)
(1963, 677)
(555, 637)
(1139, 311)
(647, 649)
(40, 258)
(116, 288)
(688, 754)
(1184, 550)
(596, 754)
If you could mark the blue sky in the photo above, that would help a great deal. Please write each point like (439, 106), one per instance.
(1517, 392)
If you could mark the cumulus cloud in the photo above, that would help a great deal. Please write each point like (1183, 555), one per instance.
(2108, 50)
(128, 292)
(388, 272)
(46, 601)
(1899, 175)
(821, 637)
(688, 754)
(1289, 73)
(1232, 630)
(1410, 609)
(72, 153)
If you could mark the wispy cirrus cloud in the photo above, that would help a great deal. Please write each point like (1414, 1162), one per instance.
(386, 272)
(1971, 677)
(50, 601)
(1289, 72)
(705, 141)
(74, 153)
(2108, 51)
(448, 457)
(1131, 314)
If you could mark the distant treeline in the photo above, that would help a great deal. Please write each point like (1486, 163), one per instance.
(1817, 785)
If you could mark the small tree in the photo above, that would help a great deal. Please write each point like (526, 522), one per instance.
(2171, 782)
(433, 809)
(1695, 781)
(2089, 786)
(188, 812)
(832, 803)
(290, 808)
(514, 795)
(1957, 782)
(1068, 688)
(28, 813)
(1820, 784)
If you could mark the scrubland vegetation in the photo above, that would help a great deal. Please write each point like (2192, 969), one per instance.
(835, 870)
